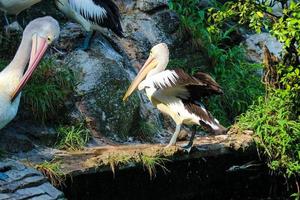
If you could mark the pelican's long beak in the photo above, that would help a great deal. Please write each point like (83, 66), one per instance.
(38, 49)
(149, 64)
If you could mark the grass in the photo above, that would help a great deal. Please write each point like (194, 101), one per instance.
(47, 91)
(52, 170)
(151, 163)
(278, 135)
(149, 158)
(72, 137)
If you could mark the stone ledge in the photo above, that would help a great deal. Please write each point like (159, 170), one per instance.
(25, 183)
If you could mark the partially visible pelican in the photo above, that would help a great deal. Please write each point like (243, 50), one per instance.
(37, 36)
(15, 7)
(176, 93)
(92, 15)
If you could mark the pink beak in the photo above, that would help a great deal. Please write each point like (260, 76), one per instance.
(38, 49)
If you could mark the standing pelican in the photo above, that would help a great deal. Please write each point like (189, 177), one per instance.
(37, 36)
(14, 7)
(176, 93)
(92, 15)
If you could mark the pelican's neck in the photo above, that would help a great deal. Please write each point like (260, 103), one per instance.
(18, 64)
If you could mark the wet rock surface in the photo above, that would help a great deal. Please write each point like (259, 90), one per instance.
(23, 182)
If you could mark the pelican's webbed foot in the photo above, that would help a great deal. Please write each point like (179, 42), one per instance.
(188, 147)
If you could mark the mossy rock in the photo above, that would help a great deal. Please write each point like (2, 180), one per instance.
(103, 83)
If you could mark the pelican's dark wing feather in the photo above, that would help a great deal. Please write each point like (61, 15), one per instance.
(208, 122)
(193, 87)
(104, 13)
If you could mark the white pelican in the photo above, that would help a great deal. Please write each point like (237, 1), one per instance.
(37, 36)
(176, 93)
(92, 15)
(14, 7)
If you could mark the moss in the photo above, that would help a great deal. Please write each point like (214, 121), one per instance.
(117, 117)
(149, 158)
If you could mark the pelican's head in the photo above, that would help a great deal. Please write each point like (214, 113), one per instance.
(39, 34)
(156, 62)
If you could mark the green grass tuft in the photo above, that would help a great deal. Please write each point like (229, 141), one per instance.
(72, 137)
(47, 91)
(52, 170)
(151, 162)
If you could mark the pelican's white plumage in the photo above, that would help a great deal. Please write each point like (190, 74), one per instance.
(14, 7)
(88, 9)
(92, 15)
(36, 37)
(176, 93)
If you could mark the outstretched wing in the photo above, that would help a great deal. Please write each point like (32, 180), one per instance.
(178, 83)
(104, 13)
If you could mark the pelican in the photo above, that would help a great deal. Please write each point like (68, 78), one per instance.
(92, 15)
(15, 7)
(176, 93)
(37, 36)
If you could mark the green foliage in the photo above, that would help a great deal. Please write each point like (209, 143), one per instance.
(146, 130)
(275, 118)
(72, 137)
(278, 134)
(47, 91)
(284, 28)
(151, 162)
(52, 170)
(227, 63)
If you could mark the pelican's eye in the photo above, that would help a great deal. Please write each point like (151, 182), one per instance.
(49, 39)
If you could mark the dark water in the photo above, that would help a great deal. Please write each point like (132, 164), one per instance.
(187, 180)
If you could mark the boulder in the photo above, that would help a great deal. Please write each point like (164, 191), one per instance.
(103, 82)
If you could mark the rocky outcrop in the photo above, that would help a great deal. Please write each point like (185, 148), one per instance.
(23, 182)
(254, 45)
(103, 80)
(108, 67)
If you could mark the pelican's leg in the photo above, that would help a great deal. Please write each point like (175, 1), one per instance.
(6, 19)
(175, 135)
(189, 146)
(87, 40)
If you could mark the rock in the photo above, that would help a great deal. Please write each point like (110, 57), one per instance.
(26, 135)
(102, 86)
(148, 5)
(25, 183)
(254, 45)
(14, 142)
(69, 35)
(13, 27)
